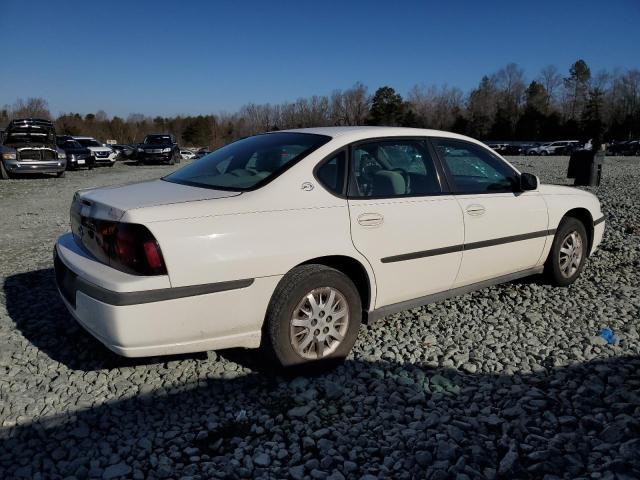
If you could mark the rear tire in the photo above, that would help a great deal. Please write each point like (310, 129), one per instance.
(568, 253)
(296, 328)
(61, 174)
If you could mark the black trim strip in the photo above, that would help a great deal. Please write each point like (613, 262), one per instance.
(598, 221)
(69, 283)
(149, 296)
(469, 246)
(381, 312)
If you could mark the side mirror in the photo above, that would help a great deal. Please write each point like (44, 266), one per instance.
(528, 181)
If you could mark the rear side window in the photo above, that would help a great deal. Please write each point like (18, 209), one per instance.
(392, 168)
(474, 169)
(331, 173)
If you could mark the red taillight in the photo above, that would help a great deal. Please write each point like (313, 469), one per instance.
(128, 247)
(152, 252)
(135, 250)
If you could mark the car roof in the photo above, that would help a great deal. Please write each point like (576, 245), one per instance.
(85, 138)
(351, 134)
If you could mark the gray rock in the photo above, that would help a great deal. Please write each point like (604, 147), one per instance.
(115, 471)
(299, 412)
(262, 460)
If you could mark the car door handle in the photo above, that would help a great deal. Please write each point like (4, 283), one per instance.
(475, 210)
(370, 219)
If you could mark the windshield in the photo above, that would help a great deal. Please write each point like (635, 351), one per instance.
(89, 142)
(158, 140)
(248, 163)
(69, 144)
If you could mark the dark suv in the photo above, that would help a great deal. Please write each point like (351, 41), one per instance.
(29, 146)
(158, 148)
(77, 155)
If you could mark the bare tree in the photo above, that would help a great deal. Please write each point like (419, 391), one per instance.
(435, 107)
(33, 107)
(551, 80)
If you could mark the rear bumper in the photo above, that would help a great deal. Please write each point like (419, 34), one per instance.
(36, 166)
(143, 316)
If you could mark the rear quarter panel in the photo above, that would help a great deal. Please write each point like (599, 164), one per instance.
(262, 233)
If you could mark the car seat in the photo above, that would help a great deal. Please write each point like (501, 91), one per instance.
(388, 183)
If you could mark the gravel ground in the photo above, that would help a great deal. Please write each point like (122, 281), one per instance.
(508, 382)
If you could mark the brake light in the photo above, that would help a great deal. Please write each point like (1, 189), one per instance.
(154, 257)
(135, 250)
(127, 247)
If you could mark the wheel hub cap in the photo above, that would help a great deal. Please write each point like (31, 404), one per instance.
(319, 323)
(570, 254)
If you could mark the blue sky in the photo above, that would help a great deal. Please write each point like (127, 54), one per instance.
(187, 57)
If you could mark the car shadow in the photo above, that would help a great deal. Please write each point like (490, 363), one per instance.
(34, 304)
(384, 418)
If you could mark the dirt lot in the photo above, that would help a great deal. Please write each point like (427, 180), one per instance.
(509, 382)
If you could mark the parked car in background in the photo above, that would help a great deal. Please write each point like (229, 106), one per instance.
(77, 155)
(510, 149)
(103, 154)
(123, 151)
(159, 148)
(562, 147)
(187, 154)
(201, 153)
(289, 240)
(30, 146)
(627, 147)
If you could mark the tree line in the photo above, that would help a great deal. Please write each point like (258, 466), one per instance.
(505, 105)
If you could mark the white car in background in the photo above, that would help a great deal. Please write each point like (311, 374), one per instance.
(103, 154)
(289, 240)
(553, 148)
(187, 154)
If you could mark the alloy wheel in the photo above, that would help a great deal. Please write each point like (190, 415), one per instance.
(319, 323)
(570, 254)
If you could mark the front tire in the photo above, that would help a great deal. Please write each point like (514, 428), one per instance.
(313, 317)
(61, 174)
(568, 253)
(4, 175)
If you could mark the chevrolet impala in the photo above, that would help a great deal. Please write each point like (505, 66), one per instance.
(290, 240)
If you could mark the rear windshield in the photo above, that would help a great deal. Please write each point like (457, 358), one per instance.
(248, 163)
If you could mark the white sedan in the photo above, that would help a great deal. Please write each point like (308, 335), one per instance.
(289, 240)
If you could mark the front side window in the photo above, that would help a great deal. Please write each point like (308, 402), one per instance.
(474, 169)
(250, 162)
(392, 168)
